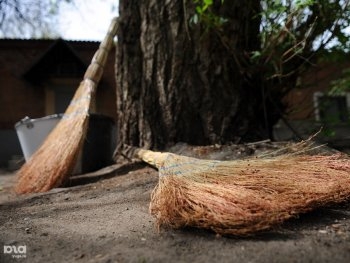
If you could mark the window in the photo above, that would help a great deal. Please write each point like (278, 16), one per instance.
(332, 108)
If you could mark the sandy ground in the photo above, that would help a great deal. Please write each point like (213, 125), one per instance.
(103, 217)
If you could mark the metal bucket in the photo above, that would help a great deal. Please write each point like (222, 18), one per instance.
(32, 132)
(98, 147)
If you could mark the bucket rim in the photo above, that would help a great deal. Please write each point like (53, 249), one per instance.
(27, 119)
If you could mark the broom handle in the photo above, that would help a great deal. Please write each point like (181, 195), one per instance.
(156, 159)
(153, 158)
(95, 70)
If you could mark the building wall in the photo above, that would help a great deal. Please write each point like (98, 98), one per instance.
(301, 118)
(20, 98)
(317, 79)
(17, 96)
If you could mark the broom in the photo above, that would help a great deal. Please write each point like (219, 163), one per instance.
(242, 197)
(54, 161)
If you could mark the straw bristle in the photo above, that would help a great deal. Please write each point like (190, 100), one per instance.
(245, 196)
(54, 161)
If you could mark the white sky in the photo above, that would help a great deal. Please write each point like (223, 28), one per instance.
(86, 19)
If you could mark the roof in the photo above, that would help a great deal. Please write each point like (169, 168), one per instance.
(39, 59)
(18, 41)
(59, 59)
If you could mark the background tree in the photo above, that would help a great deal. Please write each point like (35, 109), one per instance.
(180, 82)
(206, 72)
(29, 18)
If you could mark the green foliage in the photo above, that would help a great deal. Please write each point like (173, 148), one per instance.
(341, 85)
(304, 3)
(328, 132)
(293, 35)
(205, 15)
(290, 31)
(295, 32)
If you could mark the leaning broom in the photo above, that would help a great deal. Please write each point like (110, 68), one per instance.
(242, 197)
(54, 161)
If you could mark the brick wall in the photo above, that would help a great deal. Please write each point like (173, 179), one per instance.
(19, 97)
(317, 79)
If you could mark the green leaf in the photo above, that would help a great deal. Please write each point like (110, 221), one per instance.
(255, 55)
(199, 10)
(208, 2)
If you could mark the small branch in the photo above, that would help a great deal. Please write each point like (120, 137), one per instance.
(184, 7)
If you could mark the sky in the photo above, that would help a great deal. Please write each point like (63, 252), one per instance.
(86, 20)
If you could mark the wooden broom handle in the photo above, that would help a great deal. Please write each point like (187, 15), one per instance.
(153, 158)
(156, 159)
(95, 70)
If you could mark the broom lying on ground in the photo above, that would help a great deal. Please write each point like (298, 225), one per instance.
(241, 197)
(54, 161)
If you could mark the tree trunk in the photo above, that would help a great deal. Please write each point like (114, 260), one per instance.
(183, 82)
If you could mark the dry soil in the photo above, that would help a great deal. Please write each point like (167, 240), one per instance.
(103, 217)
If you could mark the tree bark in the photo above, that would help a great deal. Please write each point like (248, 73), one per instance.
(183, 82)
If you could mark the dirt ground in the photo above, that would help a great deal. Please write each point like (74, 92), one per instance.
(103, 217)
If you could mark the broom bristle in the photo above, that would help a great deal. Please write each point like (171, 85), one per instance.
(244, 196)
(55, 159)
